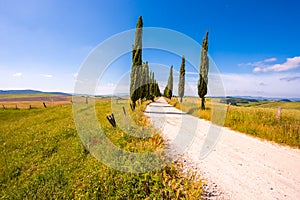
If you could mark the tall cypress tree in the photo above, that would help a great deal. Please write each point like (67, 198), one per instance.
(156, 89)
(168, 92)
(136, 62)
(171, 82)
(144, 86)
(204, 67)
(181, 82)
(151, 86)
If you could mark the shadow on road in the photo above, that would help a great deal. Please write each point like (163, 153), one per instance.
(164, 113)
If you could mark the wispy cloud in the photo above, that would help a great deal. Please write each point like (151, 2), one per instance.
(192, 73)
(250, 84)
(265, 66)
(47, 75)
(17, 74)
(291, 78)
(291, 63)
(262, 84)
(260, 64)
(270, 60)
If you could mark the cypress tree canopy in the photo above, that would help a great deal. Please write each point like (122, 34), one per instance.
(181, 79)
(204, 67)
(168, 92)
(136, 62)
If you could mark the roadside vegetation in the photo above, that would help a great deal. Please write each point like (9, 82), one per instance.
(258, 119)
(43, 157)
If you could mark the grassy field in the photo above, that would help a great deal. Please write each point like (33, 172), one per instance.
(43, 157)
(283, 105)
(257, 119)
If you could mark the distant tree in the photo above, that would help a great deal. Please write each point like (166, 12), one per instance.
(157, 92)
(169, 88)
(144, 85)
(204, 67)
(136, 63)
(151, 86)
(181, 79)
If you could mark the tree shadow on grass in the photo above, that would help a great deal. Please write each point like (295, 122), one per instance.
(192, 110)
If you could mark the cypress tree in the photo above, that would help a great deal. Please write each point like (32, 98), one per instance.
(169, 88)
(156, 89)
(136, 62)
(181, 79)
(204, 67)
(151, 86)
(144, 85)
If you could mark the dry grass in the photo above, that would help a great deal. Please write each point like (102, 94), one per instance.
(43, 157)
(256, 120)
(34, 101)
(33, 104)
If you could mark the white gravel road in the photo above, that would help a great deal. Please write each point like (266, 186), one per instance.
(238, 167)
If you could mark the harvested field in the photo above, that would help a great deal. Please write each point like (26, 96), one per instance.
(34, 102)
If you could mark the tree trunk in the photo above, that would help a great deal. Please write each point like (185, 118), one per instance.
(132, 105)
(202, 103)
(180, 99)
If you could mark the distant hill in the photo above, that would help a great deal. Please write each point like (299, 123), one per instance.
(251, 98)
(32, 92)
(237, 100)
(243, 100)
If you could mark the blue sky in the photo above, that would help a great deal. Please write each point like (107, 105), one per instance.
(255, 44)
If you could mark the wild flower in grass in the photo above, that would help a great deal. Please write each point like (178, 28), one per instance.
(96, 139)
(93, 141)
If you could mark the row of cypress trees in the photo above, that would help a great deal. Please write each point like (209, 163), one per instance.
(203, 76)
(168, 91)
(169, 88)
(143, 84)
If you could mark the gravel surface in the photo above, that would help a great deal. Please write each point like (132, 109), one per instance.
(238, 167)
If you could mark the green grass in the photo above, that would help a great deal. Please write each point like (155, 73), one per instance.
(43, 157)
(283, 105)
(257, 119)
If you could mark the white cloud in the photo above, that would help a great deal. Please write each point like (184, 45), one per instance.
(259, 64)
(270, 60)
(280, 84)
(265, 66)
(291, 63)
(290, 78)
(17, 74)
(270, 85)
(257, 69)
(192, 73)
(47, 75)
